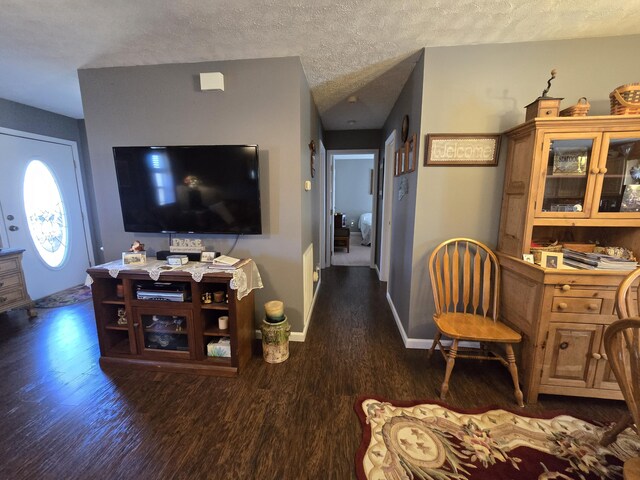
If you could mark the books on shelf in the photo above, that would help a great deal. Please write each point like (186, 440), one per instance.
(596, 261)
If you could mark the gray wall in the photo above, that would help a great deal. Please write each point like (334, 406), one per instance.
(352, 189)
(263, 103)
(352, 139)
(484, 88)
(30, 119)
(404, 211)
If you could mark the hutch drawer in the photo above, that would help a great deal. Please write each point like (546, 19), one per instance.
(565, 305)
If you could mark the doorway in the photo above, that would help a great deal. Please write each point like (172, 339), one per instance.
(351, 188)
(43, 210)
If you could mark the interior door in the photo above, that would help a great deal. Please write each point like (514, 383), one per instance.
(331, 198)
(387, 206)
(50, 229)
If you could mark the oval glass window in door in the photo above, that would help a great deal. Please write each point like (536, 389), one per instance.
(46, 215)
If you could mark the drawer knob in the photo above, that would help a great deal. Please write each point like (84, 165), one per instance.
(603, 170)
(562, 306)
(596, 356)
(604, 356)
(566, 288)
(3, 299)
(595, 170)
(592, 306)
(564, 345)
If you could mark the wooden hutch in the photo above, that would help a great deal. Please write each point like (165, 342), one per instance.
(567, 179)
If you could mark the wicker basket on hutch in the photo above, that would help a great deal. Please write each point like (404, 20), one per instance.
(580, 109)
(625, 100)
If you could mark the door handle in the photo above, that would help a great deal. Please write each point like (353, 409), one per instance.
(13, 228)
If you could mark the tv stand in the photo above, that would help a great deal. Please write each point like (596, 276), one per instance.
(171, 336)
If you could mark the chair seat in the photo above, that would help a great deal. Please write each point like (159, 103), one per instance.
(467, 326)
(632, 469)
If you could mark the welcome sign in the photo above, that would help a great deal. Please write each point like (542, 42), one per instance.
(462, 149)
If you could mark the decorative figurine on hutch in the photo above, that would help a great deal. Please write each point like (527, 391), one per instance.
(544, 106)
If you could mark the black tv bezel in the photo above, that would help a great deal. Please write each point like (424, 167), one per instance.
(257, 231)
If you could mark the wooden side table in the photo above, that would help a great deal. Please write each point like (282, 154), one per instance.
(341, 238)
(13, 289)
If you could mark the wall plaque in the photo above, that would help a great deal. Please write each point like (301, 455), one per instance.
(462, 149)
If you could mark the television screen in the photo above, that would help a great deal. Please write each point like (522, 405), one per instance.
(199, 189)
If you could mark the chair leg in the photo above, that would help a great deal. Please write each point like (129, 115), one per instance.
(451, 360)
(434, 344)
(611, 434)
(513, 369)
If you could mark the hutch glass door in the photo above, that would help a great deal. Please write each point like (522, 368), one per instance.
(620, 172)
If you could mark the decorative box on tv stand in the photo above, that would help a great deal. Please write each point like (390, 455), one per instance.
(163, 254)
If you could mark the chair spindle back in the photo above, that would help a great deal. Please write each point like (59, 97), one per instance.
(622, 344)
(465, 277)
(628, 296)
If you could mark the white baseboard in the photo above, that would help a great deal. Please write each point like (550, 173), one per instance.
(424, 343)
(300, 336)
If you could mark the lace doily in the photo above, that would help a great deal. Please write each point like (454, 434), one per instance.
(244, 278)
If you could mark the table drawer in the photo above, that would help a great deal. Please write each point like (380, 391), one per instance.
(577, 305)
(10, 281)
(10, 297)
(11, 264)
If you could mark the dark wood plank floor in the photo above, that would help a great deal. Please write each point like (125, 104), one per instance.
(62, 417)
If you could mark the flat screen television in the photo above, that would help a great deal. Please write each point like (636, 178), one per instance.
(189, 189)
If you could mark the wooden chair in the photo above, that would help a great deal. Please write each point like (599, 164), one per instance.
(622, 344)
(465, 278)
(628, 296)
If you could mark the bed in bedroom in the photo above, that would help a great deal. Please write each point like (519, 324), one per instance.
(364, 224)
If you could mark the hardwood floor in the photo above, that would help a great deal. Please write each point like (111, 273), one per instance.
(65, 418)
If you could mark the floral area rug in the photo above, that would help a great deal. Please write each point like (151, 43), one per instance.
(428, 441)
(77, 294)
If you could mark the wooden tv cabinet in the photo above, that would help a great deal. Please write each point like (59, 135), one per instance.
(171, 336)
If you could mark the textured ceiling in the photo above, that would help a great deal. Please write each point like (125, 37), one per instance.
(362, 47)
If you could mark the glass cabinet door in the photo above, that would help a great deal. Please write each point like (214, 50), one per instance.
(165, 331)
(567, 181)
(619, 169)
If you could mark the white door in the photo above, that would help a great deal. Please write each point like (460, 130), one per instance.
(331, 183)
(387, 205)
(42, 210)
